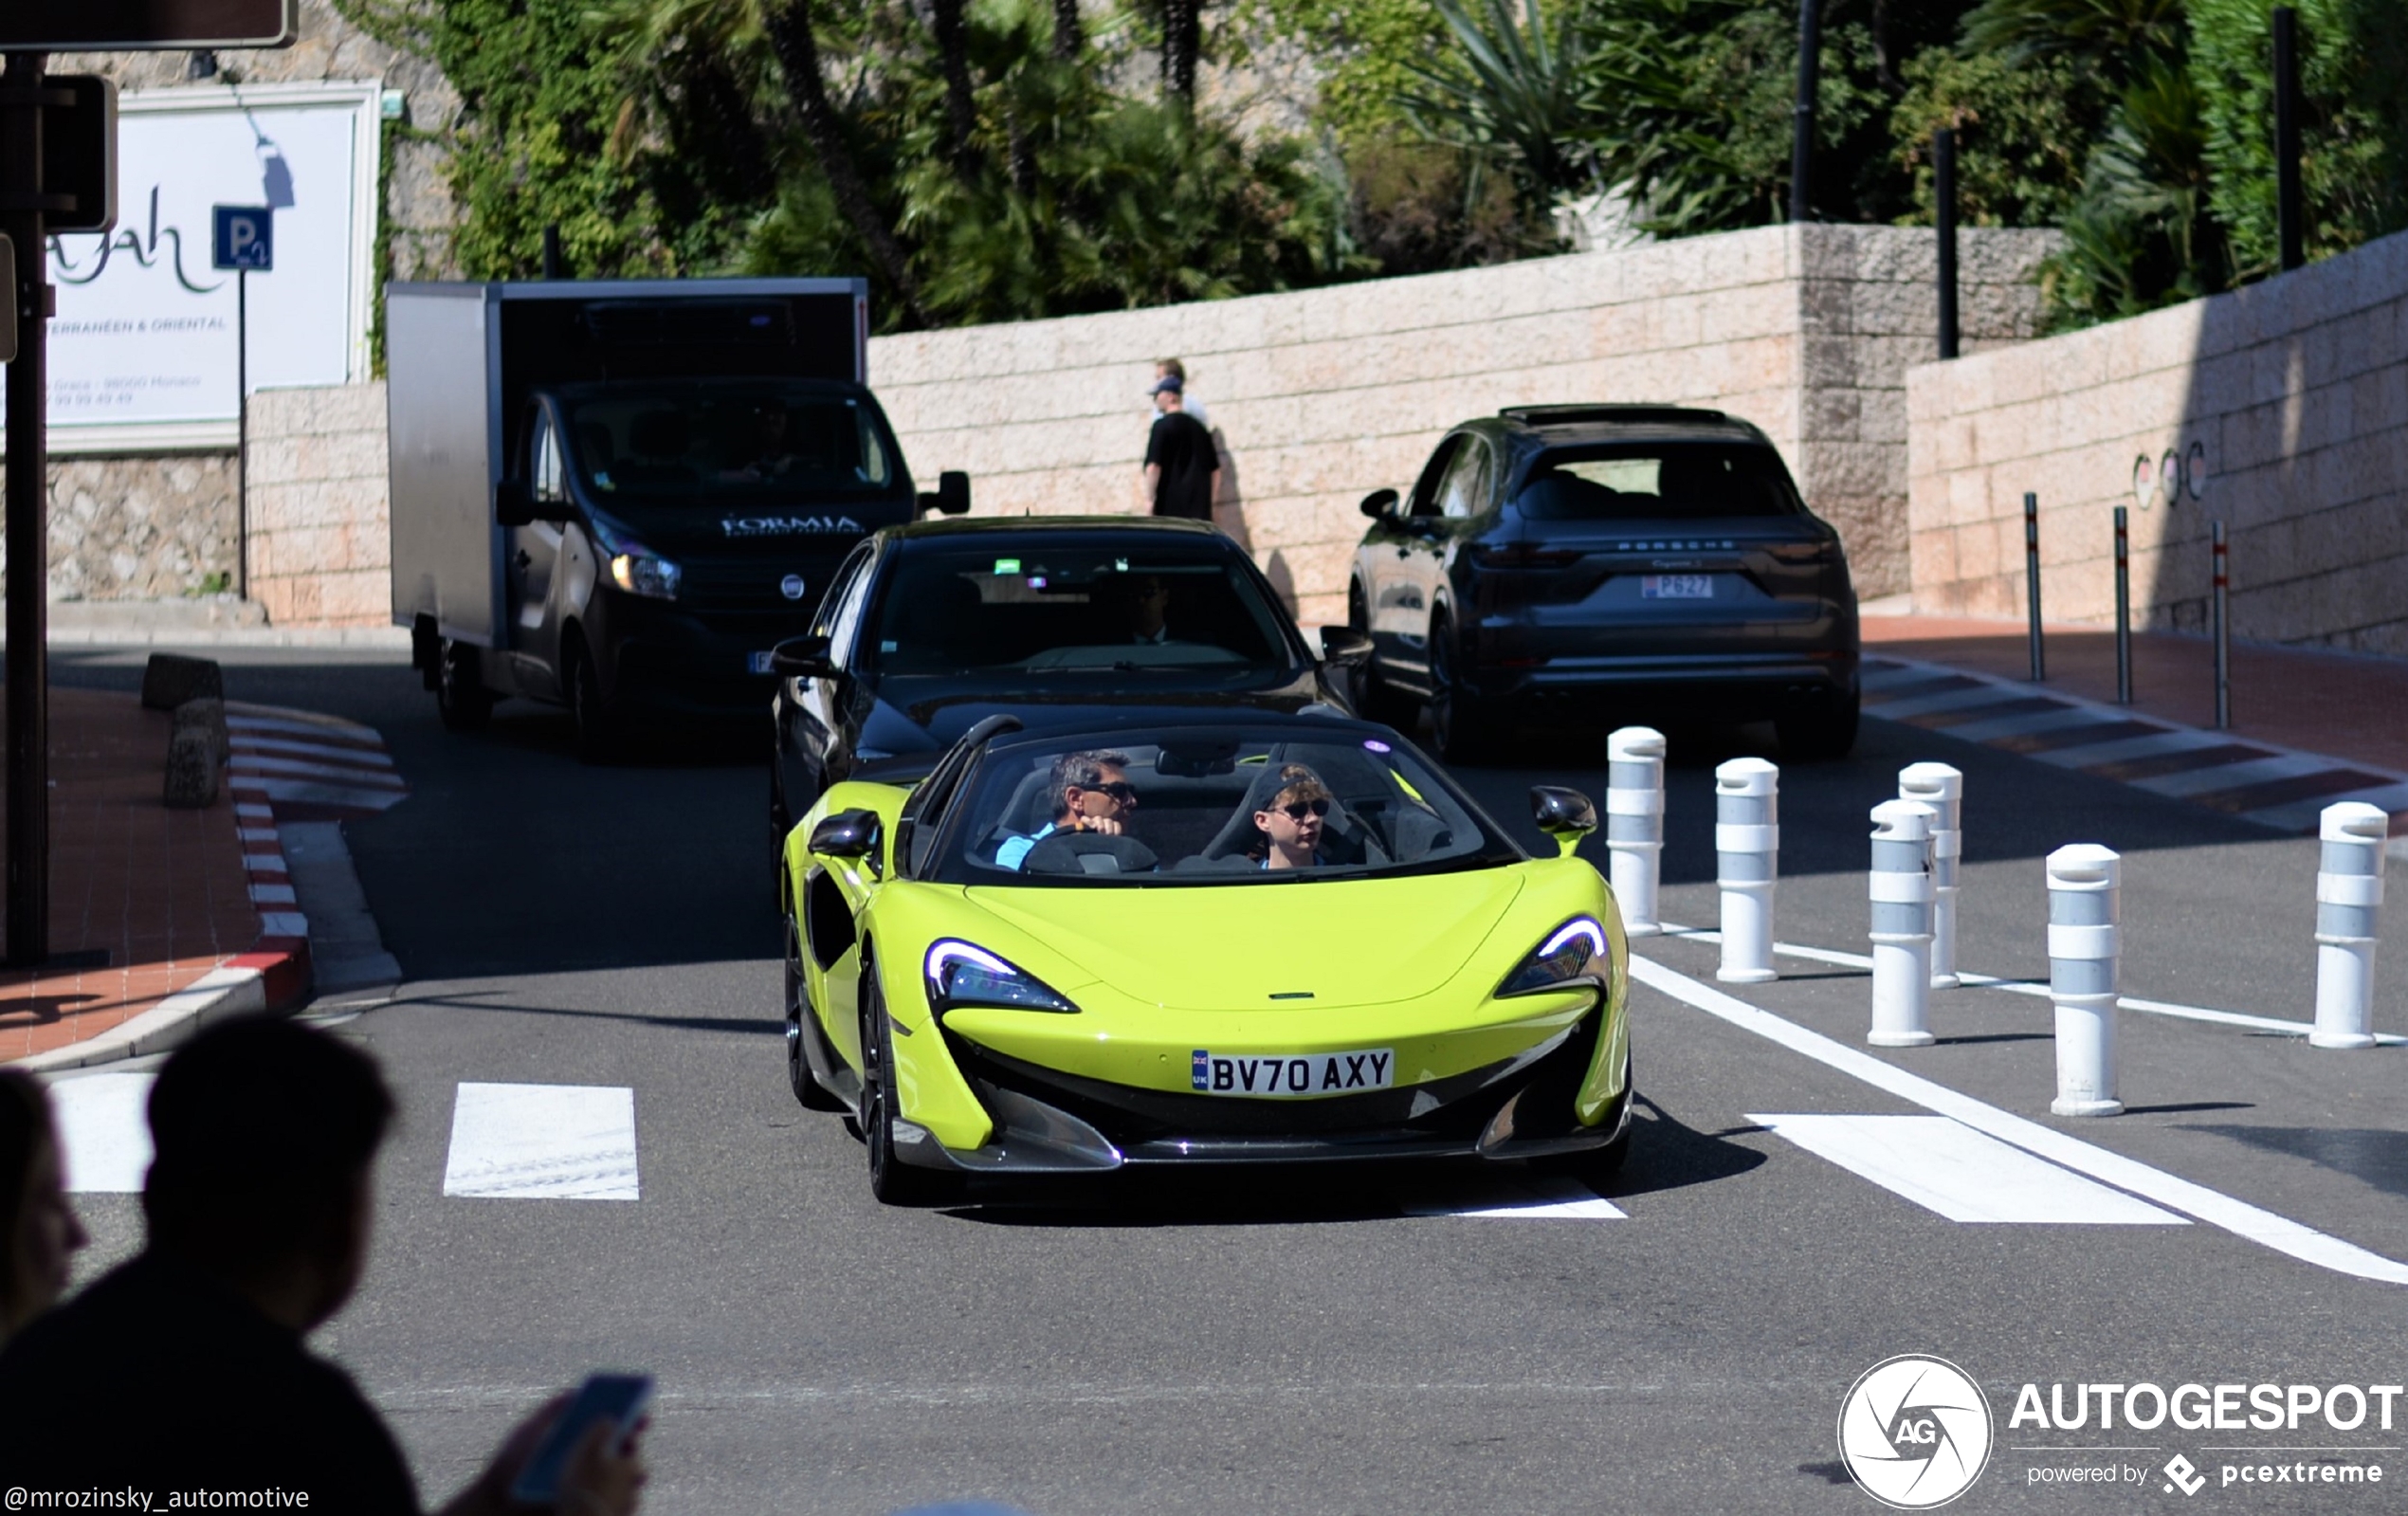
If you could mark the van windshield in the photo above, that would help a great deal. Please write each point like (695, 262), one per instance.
(1073, 610)
(715, 445)
(1658, 480)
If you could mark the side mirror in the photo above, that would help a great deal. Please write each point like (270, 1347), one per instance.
(801, 658)
(513, 503)
(1345, 645)
(1562, 814)
(846, 835)
(1381, 504)
(952, 497)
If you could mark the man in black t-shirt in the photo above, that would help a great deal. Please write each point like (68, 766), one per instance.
(1183, 463)
(186, 1369)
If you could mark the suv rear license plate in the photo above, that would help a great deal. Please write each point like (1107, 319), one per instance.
(758, 663)
(1287, 1075)
(1676, 587)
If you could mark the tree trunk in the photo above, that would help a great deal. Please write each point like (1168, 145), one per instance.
(1069, 36)
(797, 49)
(952, 56)
(1182, 34)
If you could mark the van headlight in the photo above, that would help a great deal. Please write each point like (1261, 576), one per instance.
(1571, 954)
(635, 568)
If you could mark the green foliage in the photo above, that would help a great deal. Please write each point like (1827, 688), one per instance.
(2143, 234)
(1514, 95)
(1415, 210)
(1364, 50)
(2118, 35)
(2351, 145)
(2023, 132)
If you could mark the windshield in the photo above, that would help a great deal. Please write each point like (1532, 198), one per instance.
(719, 444)
(1210, 807)
(1658, 480)
(958, 610)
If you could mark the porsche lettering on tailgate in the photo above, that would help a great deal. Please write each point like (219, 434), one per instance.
(1320, 1073)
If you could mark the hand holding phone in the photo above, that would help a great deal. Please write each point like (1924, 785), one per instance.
(616, 1400)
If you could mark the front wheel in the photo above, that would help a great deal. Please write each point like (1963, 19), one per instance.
(1820, 732)
(1459, 724)
(807, 1089)
(597, 725)
(892, 1180)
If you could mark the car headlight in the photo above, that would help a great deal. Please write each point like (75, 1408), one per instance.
(960, 974)
(635, 568)
(1564, 958)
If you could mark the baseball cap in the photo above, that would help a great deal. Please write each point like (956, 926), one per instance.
(1169, 383)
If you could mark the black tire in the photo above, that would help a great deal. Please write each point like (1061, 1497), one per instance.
(1374, 699)
(807, 1089)
(891, 1180)
(1820, 733)
(598, 725)
(461, 697)
(1461, 726)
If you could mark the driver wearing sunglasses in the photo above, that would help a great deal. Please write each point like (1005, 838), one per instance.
(1092, 792)
(1292, 823)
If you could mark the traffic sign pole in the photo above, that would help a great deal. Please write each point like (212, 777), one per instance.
(242, 434)
(28, 580)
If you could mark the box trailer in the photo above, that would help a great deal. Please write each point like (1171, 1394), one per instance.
(619, 496)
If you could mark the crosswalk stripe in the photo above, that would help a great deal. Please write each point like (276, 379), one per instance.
(330, 752)
(542, 1141)
(1947, 1167)
(104, 1132)
(1538, 1199)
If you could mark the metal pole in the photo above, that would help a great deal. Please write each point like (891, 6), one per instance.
(1943, 173)
(1801, 147)
(2223, 630)
(2032, 579)
(2122, 610)
(28, 572)
(2288, 210)
(552, 264)
(242, 434)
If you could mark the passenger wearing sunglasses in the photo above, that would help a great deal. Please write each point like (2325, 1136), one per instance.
(1092, 792)
(1291, 824)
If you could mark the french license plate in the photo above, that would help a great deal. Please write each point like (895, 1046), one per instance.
(758, 663)
(1676, 587)
(1287, 1075)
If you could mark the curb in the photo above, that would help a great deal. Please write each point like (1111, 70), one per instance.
(273, 976)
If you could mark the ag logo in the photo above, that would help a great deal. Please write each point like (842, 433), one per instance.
(1915, 1432)
(790, 587)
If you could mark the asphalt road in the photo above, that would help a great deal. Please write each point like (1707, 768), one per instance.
(1301, 1342)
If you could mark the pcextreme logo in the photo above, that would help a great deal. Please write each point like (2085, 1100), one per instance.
(1915, 1432)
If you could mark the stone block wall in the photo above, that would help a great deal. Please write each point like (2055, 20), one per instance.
(2285, 406)
(141, 528)
(1320, 396)
(320, 539)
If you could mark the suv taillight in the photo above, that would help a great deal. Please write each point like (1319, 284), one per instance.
(1524, 556)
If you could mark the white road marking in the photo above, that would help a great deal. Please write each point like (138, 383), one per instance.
(1537, 1200)
(542, 1141)
(243, 717)
(2023, 725)
(1964, 1175)
(1984, 981)
(104, 1131)
(333, 751)
(2235, 775)
(2217, 1209)
(253, 763)
(309, 792)
(2124, 749)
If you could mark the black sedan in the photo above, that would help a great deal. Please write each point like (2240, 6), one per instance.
(930, 628)
(1606, 563)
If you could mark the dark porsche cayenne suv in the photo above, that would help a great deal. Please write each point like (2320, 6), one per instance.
(1603, 564)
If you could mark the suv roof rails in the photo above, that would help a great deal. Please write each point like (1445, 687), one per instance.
(1576, 415)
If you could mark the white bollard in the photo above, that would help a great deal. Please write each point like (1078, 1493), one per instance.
(1901, 888)
(1635, 824)
(2350, 892)
(1943, 788)
(2083, 957)
(1747, 844)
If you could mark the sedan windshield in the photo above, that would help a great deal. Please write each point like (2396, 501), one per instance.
(1658, 480)
(959, 609)
(1210, 807)
(721, 444)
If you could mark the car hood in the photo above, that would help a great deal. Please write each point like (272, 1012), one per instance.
(924, 715)
(1232, 947)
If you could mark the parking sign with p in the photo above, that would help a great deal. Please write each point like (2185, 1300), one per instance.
(245, 238)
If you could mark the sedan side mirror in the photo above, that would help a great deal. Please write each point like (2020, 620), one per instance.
(802, 658)
(1381, 504)
(1344, 645)
(846, 835)
(1562, 814)
(952, 497)
(513, 503)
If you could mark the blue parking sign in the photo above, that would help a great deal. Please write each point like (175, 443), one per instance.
(245, 238)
